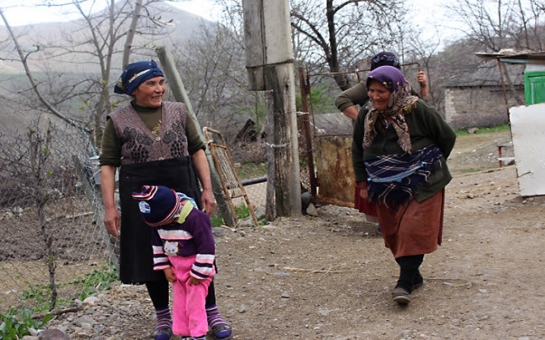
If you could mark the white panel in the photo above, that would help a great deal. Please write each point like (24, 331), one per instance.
(528, 132)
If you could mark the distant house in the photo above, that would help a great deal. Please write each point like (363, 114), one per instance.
(483, 97)
(534, 72)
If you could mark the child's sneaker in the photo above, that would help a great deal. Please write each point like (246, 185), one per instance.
(163, 334)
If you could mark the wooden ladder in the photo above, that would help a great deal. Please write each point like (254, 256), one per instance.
(231, 184)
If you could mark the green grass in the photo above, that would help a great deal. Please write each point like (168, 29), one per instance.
(250, 170)
(217, 221)
(243, 212)
(97, 280)
(470, 170)
(497, 128)
(16, 323)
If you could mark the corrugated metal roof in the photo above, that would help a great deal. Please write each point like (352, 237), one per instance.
(488, 74)
(512, 57)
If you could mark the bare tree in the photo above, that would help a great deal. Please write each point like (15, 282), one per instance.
(23, 57)
(88, 53)
(500, 24)
(531, 30)
(212, 66)
(424, 51)
(338, 33)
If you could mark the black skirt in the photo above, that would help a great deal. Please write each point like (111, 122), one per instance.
(136, 257)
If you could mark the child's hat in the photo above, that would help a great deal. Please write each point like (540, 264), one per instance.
(158, 204)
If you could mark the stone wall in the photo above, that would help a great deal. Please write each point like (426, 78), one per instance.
(479, 106)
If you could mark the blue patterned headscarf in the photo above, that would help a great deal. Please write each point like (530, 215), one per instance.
(135, 74)
(385, 58)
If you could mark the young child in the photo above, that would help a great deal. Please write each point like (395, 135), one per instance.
(184, 248)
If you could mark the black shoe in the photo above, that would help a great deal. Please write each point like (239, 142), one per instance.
(401, 296)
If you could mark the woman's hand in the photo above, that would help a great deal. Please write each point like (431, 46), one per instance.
(112, 221)
(208, 201)
(422, 79)
(362, 186)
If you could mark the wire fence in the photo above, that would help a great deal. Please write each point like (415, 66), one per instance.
(53, 241)
(54, 248)
(52, 238)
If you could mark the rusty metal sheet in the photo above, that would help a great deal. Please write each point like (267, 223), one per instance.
(334, 170)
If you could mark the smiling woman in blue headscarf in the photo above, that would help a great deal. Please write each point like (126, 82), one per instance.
(152, 142)
(401, 166)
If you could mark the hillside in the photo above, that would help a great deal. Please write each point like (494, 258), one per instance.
(52, 39)
(63, 56)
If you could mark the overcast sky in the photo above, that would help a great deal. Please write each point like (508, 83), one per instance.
(427, 14)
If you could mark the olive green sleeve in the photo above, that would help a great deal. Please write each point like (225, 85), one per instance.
(440, 131)
(360, 172)
(111, 146)
(194, 140)
(356, 95)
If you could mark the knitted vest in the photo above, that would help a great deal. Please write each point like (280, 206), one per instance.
(140, 145)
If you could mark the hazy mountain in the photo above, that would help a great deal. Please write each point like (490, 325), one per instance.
(66, 41)
(60, 54)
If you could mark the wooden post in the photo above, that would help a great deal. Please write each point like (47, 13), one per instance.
(269, 60)
(270, 206)
(177, 87)
(304, 85)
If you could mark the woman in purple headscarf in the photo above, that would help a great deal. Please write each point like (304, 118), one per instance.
(152, 142)
(401, 166)
(357, 95)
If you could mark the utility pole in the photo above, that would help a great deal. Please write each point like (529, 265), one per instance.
(269, 61)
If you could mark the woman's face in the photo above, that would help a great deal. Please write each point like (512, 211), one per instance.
(379, 95)
(150, 93)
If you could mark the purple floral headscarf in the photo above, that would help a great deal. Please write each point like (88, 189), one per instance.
(401, 102)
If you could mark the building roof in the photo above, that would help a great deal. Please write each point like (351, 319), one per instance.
(513, 57)
(488, 74)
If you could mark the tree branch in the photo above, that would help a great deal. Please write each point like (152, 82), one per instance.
(23, 58)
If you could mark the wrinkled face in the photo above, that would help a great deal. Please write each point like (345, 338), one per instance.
(150, 93)
(379, 95)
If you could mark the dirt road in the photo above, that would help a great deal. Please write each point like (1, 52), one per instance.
(330, 277)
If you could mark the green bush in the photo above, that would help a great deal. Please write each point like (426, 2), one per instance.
(17, 324)
(242, 212)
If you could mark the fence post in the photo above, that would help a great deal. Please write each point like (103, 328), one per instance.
(178, 89)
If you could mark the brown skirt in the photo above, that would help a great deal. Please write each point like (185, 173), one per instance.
(414, 228)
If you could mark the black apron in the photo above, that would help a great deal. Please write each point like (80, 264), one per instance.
(136, 257)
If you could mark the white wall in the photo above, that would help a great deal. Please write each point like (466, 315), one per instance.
(528, 132)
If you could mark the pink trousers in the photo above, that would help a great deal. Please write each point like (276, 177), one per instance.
(188, 310)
